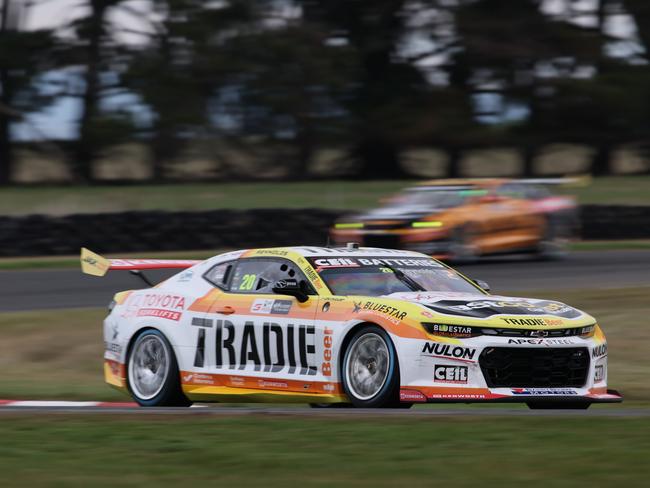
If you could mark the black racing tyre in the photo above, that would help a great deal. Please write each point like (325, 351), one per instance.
(152, 372)
(370, 369)
(558, 405)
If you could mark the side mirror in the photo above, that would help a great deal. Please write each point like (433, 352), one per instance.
(294, 288)
(483, 285)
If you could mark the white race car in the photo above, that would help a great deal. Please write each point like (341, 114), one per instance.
(367, 327)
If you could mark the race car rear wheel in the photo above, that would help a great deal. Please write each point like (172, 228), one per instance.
(370, 370)
(558, 405)
(152, 372)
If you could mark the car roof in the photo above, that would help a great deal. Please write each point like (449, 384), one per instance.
(316, 251)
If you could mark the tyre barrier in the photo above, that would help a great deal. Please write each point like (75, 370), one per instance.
(146, 231)
(40, 235)
(615, 222)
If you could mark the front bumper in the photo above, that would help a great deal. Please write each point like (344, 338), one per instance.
(454, 371)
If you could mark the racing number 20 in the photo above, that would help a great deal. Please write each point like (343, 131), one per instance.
(247, 282)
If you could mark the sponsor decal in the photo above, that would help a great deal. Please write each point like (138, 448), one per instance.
(543, 391)
(265, 346)
(412, 396)
(313, 277)
(154, 305)
(429, 315)
(448, 351)
(326, 366)
(115, 331)
(449, 330)
(599, 373)
(160, 313)
(271, 252)
(281, 307)
(329, 387)
(458, 396)
(544, 342)
(443, 373)
(198, 379)
(271, 306)
(488, 308)
(532, 322)
(355, 262)
(262, 305)
(113, 347)
(392, 312)
(599, 351)
(336, 263)
(272, 384)
(357, 307)
(237, 381)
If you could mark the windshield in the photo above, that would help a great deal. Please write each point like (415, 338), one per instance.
(378, 276)
(434, 198)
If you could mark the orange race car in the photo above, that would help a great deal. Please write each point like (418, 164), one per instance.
(466, 218)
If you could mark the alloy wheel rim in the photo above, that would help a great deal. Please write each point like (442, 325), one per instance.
(367, 366)
(148, 367)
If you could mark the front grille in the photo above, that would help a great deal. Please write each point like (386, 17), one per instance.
(388, 241)
(508, 367)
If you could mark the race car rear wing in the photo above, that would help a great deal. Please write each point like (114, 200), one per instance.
(96, 265)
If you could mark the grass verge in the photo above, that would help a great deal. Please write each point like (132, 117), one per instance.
(58, 354)
(323, 452)
(60, 200)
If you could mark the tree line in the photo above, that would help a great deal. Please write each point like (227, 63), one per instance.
(372, 78)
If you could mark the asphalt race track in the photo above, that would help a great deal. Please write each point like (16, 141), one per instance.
(334, 412)
(69, 288)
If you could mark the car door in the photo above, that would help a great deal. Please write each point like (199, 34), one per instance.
(262, 340)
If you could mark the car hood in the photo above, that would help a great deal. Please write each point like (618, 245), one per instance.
(507, 309)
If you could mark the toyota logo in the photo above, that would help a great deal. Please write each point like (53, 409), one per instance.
(539, 333)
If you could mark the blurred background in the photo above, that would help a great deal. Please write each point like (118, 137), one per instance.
(168, 90)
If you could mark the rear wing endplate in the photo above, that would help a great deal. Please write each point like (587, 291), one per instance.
(96, 265)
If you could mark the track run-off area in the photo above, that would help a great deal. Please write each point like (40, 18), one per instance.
(63, 407)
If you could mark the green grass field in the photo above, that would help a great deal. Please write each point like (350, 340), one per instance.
(272, 451)
(58, 354)
(59, 200)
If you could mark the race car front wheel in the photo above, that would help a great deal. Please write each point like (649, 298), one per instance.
(370, 370)
(152, 372)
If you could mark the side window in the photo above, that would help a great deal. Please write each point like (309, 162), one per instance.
(258, 275)
(219, 274)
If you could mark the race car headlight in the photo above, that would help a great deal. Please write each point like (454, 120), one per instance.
(427, 225)
(349, 225)
(111, 305)
(465, 331)
(588, 331)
